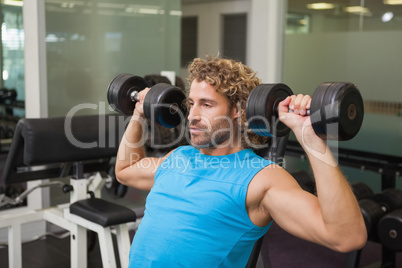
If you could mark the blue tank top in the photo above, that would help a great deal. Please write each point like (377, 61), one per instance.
(195, 214)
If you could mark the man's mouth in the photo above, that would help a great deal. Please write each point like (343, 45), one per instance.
(197, 129)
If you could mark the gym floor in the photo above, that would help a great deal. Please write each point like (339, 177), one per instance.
(54, 250)
(279, 248)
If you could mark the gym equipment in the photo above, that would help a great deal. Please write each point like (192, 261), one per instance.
(372, 213)
(305, 180)
(262, 109)
(163, 103)
(390, 230)
(114, 187)
(35, 154)
(120, 90)
(335, 102)
(361, 190)
(7, 95)
(153, 79)
(389, 199)
(275, 152)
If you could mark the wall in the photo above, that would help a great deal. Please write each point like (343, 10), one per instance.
(371, 60)
(209, 24)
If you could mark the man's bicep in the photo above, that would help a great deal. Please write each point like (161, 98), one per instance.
(293, 209)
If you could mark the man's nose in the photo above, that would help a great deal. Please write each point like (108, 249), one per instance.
(193, 113)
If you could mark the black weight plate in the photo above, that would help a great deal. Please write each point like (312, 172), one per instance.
(330, 113)
(277, 93)
(262, 112)
(372, 213)
(336, 102)
(390, 230)
(121, 190)
(305, 180)
(265, 109)
(254, 119)
(389, 199)
(255, 114)
(113, 91)
(351, 113)
(164, 104)
(119, 90)
(153, 79)
(361, 190)
(320, 104)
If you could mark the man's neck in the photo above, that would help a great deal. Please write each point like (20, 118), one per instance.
(222, 150)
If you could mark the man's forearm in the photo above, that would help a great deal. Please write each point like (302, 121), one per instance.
(131, 147)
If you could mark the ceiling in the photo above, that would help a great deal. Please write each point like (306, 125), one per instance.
(376, 7)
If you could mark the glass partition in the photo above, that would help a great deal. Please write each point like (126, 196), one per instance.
(90, 42)
(12, 93)
(358, 45)
(347, 41)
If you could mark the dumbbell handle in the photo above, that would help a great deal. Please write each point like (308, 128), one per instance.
(307, 112)
(173, 107)
(134, 96)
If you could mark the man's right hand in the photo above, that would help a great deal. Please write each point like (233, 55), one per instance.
(139, 106)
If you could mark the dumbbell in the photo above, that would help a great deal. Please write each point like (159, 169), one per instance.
(389, 199)
(361, 190)
(153, 79)
(390, 230)
(163, 103)
(372, 213)
(380, 213)
(305, 180)
(8, 95)
(332, 102)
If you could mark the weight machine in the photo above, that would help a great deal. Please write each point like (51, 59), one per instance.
(79, 147)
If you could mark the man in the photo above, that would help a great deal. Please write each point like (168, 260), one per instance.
(209, 202)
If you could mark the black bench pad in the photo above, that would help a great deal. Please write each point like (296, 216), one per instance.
(102, 212)
(51, 141)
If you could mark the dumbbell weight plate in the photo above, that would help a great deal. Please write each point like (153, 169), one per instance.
(389, 199)
(305, 180)
(362, 190)
(262, 109)
(372, 213)
(153, 79)
(390, 230)
(164, 104)
(119, 90)
(337, 103)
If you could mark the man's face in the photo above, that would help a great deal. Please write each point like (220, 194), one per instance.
(210, 116)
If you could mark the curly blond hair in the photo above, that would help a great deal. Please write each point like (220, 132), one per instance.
(233, 79)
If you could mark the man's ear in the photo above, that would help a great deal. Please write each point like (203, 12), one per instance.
(237, 110)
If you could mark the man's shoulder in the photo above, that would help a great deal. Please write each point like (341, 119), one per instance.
(267, 175)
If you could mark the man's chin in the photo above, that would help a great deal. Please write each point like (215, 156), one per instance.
(200, 145)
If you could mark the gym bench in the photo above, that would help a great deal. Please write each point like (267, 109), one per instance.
(72, 147)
